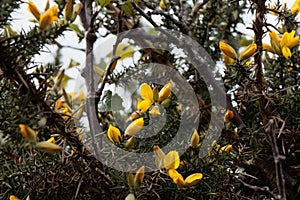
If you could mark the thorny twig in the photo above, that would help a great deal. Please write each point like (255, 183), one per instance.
(277, 160)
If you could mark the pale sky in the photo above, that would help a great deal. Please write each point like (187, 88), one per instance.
(21, 21)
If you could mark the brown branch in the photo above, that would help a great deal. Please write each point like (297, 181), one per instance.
(88, 74)
(258, 25)
(277, 160)
(256, 188)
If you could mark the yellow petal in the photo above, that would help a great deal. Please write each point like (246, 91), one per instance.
(45, 20)
(33, 10)
(176, 177)
(195, 139)
(143, 105)
(154, 111)
(289, 39)
(274, 36)
(52, 140)
(193, 179)
(139, 176)
(172, 160)
(267, 47)
(162, 5)
(48, 147)
(48, 17)
(146, 91)
(13, 197)
(113, 134)
(226, 148)
(165, 92)
(227, 60)
(286, 52)
(135, 127)
(159, 156)
(228, 115)
(27, 132)
(228, 50)
(248, 52)
(296, 7)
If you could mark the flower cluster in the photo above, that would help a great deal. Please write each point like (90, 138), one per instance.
(149, 101)
(31, 135)
(283, 45)
(171, 162)
(230, 55)
(50, 15)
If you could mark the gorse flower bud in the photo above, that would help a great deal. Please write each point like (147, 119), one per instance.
(33, 10)
(159, 156)
(113, 134)
(228, 115)
(48, 147)
(27, 133)
(68, 10)
(228, 50)
(139, 177)
(165, 92)
(248, 52)
(195, 139)
(134, 127)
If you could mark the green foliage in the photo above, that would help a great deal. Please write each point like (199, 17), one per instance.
(261, 91)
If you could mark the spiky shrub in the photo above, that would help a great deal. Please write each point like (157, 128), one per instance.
(261, 82)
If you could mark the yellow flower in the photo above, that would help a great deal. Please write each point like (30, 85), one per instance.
(228, 115)
(162, 5)
(146, 93)
(48, 147)
(139, 177)
(171, 160)
(191, 180)
(165, 92)
(228, 50)
(13, 197)
(176, 177)
(143, 105)
(33, 10)
(227, 60)
(296, 7)
(248, 52)
(195, 139)
(47, 18)
(113, 134)
(286, 52)
(267, 47)
(134, 127)
(52, 140)
(28, 133)
(287, 42)
(159, 156)
(227, 148)
(154, 110)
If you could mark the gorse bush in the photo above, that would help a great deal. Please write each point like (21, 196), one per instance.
(57, 144)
